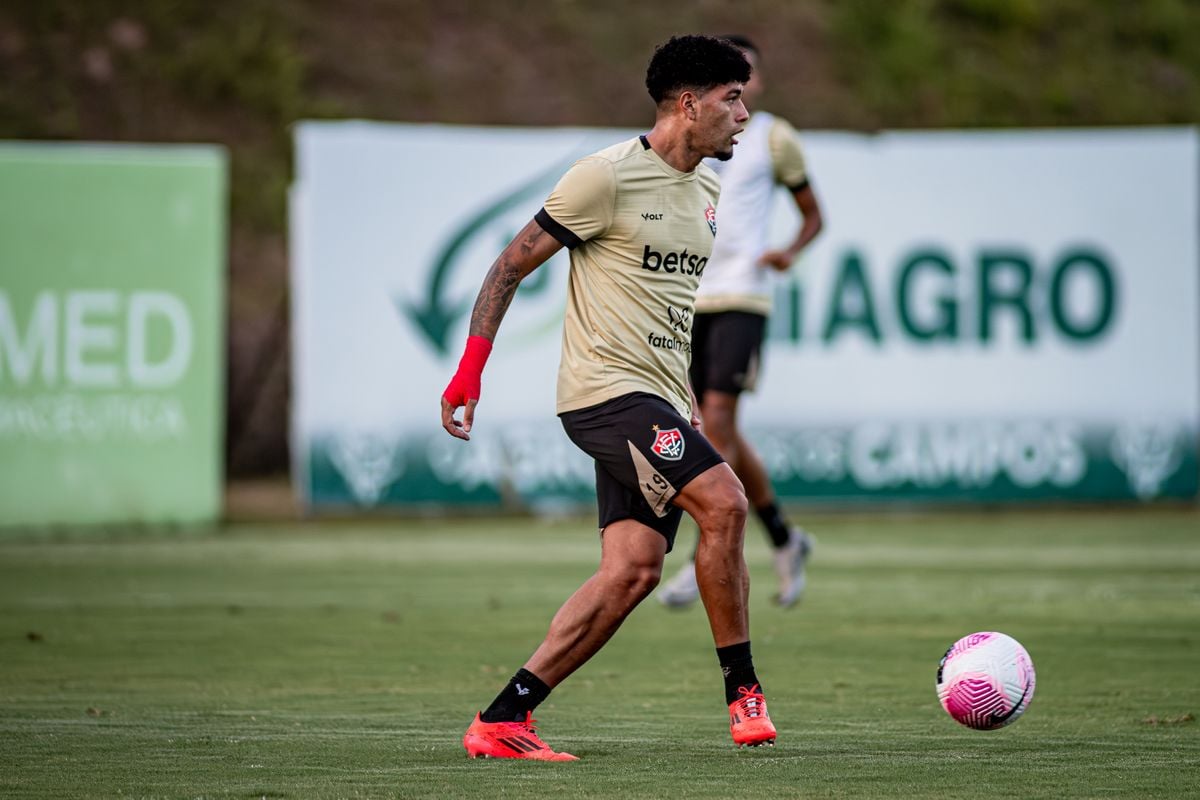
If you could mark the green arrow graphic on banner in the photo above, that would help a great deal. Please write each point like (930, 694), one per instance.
(436, 315)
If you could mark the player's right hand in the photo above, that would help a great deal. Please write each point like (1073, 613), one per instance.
(464, 388)
(778, 260)
(461, 392)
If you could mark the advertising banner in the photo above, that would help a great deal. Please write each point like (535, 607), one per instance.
(112, 271)
(987, 316)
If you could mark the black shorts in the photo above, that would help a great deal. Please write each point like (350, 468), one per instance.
(726, 351)
(645, 454)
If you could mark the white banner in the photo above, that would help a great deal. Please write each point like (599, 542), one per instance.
(987, 315)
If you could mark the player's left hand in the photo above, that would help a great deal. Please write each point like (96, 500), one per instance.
(779, 260)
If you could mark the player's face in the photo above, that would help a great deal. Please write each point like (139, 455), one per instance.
(720, 119)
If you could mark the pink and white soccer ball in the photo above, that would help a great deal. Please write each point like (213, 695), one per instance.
(985, 681)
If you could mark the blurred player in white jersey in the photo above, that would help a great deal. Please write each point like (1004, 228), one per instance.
(732, 306)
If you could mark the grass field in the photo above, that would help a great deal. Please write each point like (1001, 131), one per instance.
(345, 660)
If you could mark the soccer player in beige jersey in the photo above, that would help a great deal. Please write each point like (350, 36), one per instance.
(732, 306)
(639, 219)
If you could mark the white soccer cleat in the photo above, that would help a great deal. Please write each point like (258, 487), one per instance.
(682, 590)
(790, 561)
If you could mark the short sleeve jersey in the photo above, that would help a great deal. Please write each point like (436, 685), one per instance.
(787, 155)
(640, 233)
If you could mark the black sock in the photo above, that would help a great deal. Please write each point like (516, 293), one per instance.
(516, 700)
(738, 668)
(777, 527)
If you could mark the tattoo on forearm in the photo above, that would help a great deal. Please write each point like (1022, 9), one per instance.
(494, 296)
(500, 285)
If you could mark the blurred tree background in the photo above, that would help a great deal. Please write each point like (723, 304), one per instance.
(241, 72)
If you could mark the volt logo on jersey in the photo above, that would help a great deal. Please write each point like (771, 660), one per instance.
(710, 216)
(668, 444)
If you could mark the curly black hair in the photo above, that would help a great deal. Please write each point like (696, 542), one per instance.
(694, 62)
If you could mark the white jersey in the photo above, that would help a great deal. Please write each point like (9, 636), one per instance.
(768, 154)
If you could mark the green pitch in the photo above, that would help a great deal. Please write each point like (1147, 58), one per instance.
(345, 660)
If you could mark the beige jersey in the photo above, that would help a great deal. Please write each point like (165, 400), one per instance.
(640, 233)
(768, 156)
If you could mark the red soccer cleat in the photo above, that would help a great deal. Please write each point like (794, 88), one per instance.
(509, 740)
(749, 721)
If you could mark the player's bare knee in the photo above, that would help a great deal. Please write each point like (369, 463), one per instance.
(735, 509)
(634, 582)
(726, 509)
(645, 579)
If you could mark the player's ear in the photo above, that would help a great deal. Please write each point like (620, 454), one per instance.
(688, 101)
